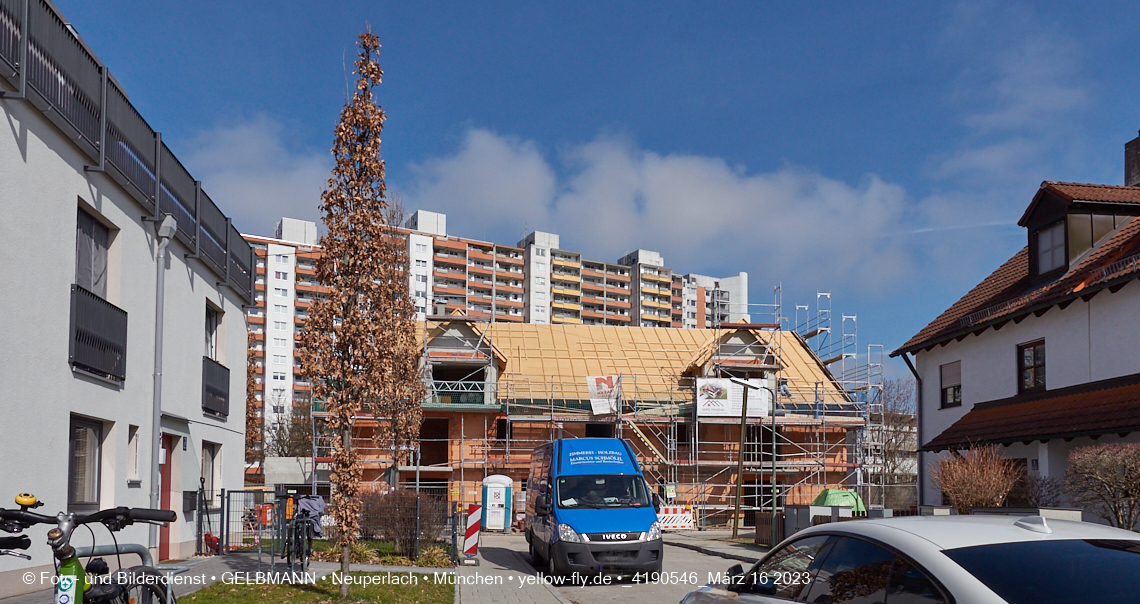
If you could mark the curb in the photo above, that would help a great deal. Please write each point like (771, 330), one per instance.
(713, 552)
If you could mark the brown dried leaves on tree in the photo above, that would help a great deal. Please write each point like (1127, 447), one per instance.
(359, 346)
(254, 452)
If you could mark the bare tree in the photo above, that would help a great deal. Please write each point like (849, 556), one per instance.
(254, 438)
(978, 477)
(1036, 492)
(291, 436)
(359, 346)
(896, 443)
(1106, 480)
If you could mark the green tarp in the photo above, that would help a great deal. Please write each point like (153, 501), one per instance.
(842, 498)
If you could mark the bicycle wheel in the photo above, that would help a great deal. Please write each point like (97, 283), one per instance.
(142, 585)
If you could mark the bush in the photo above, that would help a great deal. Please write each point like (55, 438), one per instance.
(1105, 479)
(1036, 492)
(978, 477)
(392, 517)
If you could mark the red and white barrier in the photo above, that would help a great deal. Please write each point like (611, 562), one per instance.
(675, 517)
(471, 541)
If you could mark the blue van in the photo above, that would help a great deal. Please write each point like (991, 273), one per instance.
(589, 509)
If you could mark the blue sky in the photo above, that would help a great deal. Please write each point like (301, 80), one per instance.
(882, 152)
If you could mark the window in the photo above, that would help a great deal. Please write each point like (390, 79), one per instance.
(278, 394)
(539, 295)
(421, 247)
(280, 275)
(599, 430)
(279, 409)
(540, 280)
(421, 262)
(209, 459)
(791, 563)
(911, 585)
(502, 430)
(281, 258)
(539, 251)
(1051, 248)
(85, 444)
(951, 375)
(212, 320)
(278, 376)
(281, 309)
(92, 239)
(283, 325)
(280, 343)
(280, 359)
(1031, 366)
(855, 572)
(421, 278)
(540, 308)
(132, 453)
(540, 266)
(281, 292)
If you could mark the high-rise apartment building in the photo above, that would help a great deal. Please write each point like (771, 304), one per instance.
(535, 281)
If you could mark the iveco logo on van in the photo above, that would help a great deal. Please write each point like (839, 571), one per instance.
(614, 536)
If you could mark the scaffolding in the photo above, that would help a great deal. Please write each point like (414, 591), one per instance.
(820, 435)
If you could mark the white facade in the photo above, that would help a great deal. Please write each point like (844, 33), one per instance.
(536, 258)
(419, 272)
(280, 325)
(43, 186)
(1084, 342)
(726, 295)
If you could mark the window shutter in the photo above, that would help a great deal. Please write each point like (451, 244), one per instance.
(951, 374)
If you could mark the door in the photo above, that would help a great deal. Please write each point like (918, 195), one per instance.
(496, 508)
(164, 493)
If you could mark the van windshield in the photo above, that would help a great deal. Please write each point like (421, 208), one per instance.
(600, 492)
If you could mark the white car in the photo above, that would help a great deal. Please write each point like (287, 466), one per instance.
(941, 560)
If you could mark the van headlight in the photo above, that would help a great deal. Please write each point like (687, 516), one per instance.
(568, 534)
(654, 532)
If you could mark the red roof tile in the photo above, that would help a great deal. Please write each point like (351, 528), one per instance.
(1105, 407)
(1005, 293)
(1075, 191)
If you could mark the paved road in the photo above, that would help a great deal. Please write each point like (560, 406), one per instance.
(680, 565)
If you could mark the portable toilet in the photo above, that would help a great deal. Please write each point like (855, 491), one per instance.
(497, 502)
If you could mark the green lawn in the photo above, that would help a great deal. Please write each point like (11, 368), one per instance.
(325, 592)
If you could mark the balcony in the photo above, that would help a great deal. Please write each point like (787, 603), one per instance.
(215, 387)
(98, 336)
(457, 393)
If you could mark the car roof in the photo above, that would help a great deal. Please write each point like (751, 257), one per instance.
(951, 532)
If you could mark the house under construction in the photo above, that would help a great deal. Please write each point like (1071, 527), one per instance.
(497, 390)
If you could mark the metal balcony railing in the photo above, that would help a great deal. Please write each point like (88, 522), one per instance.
(215, 387)
(457, 393)
(74, 90)
(98, 335)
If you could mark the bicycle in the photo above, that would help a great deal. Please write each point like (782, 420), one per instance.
(299, 540)
(135, 585)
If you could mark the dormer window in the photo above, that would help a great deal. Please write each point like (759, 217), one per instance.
(1051, 248)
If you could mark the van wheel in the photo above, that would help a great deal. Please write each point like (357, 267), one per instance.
(552, 566)
(535, 559)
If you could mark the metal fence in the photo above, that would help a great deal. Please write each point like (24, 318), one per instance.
(98, 335)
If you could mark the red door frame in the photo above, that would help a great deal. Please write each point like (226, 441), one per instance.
(164, 495)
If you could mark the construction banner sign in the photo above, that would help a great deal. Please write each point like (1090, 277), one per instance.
(721, 397)
(605, 392)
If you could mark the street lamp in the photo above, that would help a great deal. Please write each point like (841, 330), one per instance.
(740, 456)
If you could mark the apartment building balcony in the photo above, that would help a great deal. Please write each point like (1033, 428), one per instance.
(653, 317)
(306, 269)
(215, 387)
(508, 303)
(556, 261)
(617, 287)
(513, 260)
(502, 316)
(593, 285)
(589, 272)
(650, 289)
(616, 276)
(476, 253)
(479, 269)
(451, 260)
(98, 342)
(480, 283)
(565, 277)
(658, 278)
(592, 313)
(588, 299)
(563, 290)
(617, 319)
(444, 272)
(654, 304)
(566, 305)
(449, 289)
(566, 319)
(513, 289)
(447, 244)
(618, 303)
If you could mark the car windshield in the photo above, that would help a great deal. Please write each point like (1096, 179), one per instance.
(602, 492)
(1090, 571)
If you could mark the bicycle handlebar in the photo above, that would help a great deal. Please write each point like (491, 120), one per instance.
(107, 516)
(21, 542)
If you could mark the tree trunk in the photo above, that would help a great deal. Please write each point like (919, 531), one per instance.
(346, 548)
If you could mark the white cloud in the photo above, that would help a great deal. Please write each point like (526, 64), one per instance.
(607, 196)
(249, 171)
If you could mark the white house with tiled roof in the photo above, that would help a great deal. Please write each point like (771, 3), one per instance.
(1043, 356)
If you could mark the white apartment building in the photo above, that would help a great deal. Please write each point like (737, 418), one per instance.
(709, 301)
(84, 224)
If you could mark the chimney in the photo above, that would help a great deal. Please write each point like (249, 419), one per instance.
(1132, 163)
